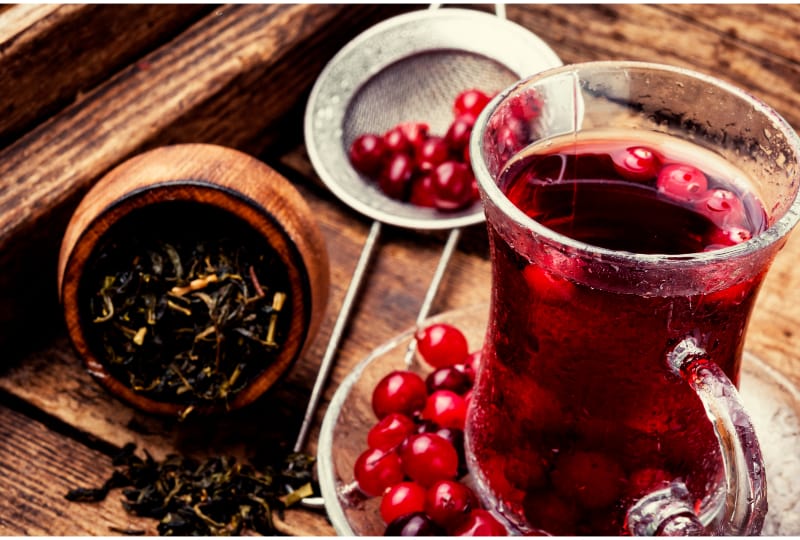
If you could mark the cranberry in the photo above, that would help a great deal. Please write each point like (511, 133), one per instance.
(730, 236)
(390, 431)
(427, 458)
(442, 345)
(723, 207)
(458, 133)
(402, 499)
(682, 182)
(593, 479)
(416, 524)
(475, 194)
(375, 470)
(396, 142)
(445, 408)
(546, 285)
(494, 467)
(449, 378)
(415, 132)
(452, 185)
(644, 481)
(481, 523)
(367, 154)
(433, 151)
(470, 102)
(471, 366)
(550, 514)
(525, 106)
(422, 191)
(465, 156)
(511, 136)
(454, 436)
(526, 469)
(636, 163)
(395, 178)
(401, 392)
(449, 503)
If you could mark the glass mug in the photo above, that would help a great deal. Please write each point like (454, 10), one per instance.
(623, 281)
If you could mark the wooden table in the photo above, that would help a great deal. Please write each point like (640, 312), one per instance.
(84, 87)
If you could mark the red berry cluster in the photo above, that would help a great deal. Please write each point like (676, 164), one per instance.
(688, 185)
(411, 165)
(416, 449)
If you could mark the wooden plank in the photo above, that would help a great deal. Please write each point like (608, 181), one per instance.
(39, 466)
(653, 33)
(223, 81)
(775, 33)
(73, 48)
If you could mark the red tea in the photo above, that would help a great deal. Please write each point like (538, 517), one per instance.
(592, 417)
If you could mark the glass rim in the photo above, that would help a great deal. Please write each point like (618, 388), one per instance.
(761, 241)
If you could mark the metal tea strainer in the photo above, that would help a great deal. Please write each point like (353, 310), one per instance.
(407, 68)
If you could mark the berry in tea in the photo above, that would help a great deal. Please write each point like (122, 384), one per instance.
(592, 417)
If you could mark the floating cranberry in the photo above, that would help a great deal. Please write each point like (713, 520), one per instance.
(511, 136)
(432, 152)
(525, 106)
(416, 133)
(399, 392)
(449, 378)
(493, 467)
(682, 182)
(402, 499)
(546, 285)
(481, 523)
(723, 207)
(593, 479)
(636, 163)
(470, 102)
(458, 133)
(449, 503)
(550, 514)
(390, 431)
(442, 345)
(416, 524)
(427, 458)
(644, 481)
(422, 191)
(375, 470)
(730, 236)
(452, 186)
(446, 409)
(367, 154)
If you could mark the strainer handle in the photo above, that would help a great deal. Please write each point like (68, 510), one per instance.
(336, 334)
(430, 295)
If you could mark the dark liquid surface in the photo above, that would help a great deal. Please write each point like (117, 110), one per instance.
(586, 198)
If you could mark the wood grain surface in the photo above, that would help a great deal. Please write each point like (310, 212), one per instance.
(239, 76)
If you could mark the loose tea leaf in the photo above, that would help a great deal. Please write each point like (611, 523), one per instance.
(188, 310)
(218, 496)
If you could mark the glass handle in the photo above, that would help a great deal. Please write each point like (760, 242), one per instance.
(668, 512)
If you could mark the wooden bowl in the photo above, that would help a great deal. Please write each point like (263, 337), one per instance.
(205, 176)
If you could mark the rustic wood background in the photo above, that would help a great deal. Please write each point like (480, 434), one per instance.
(84, 87)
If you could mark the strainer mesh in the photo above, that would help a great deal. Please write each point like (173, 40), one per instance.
(421, 88)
